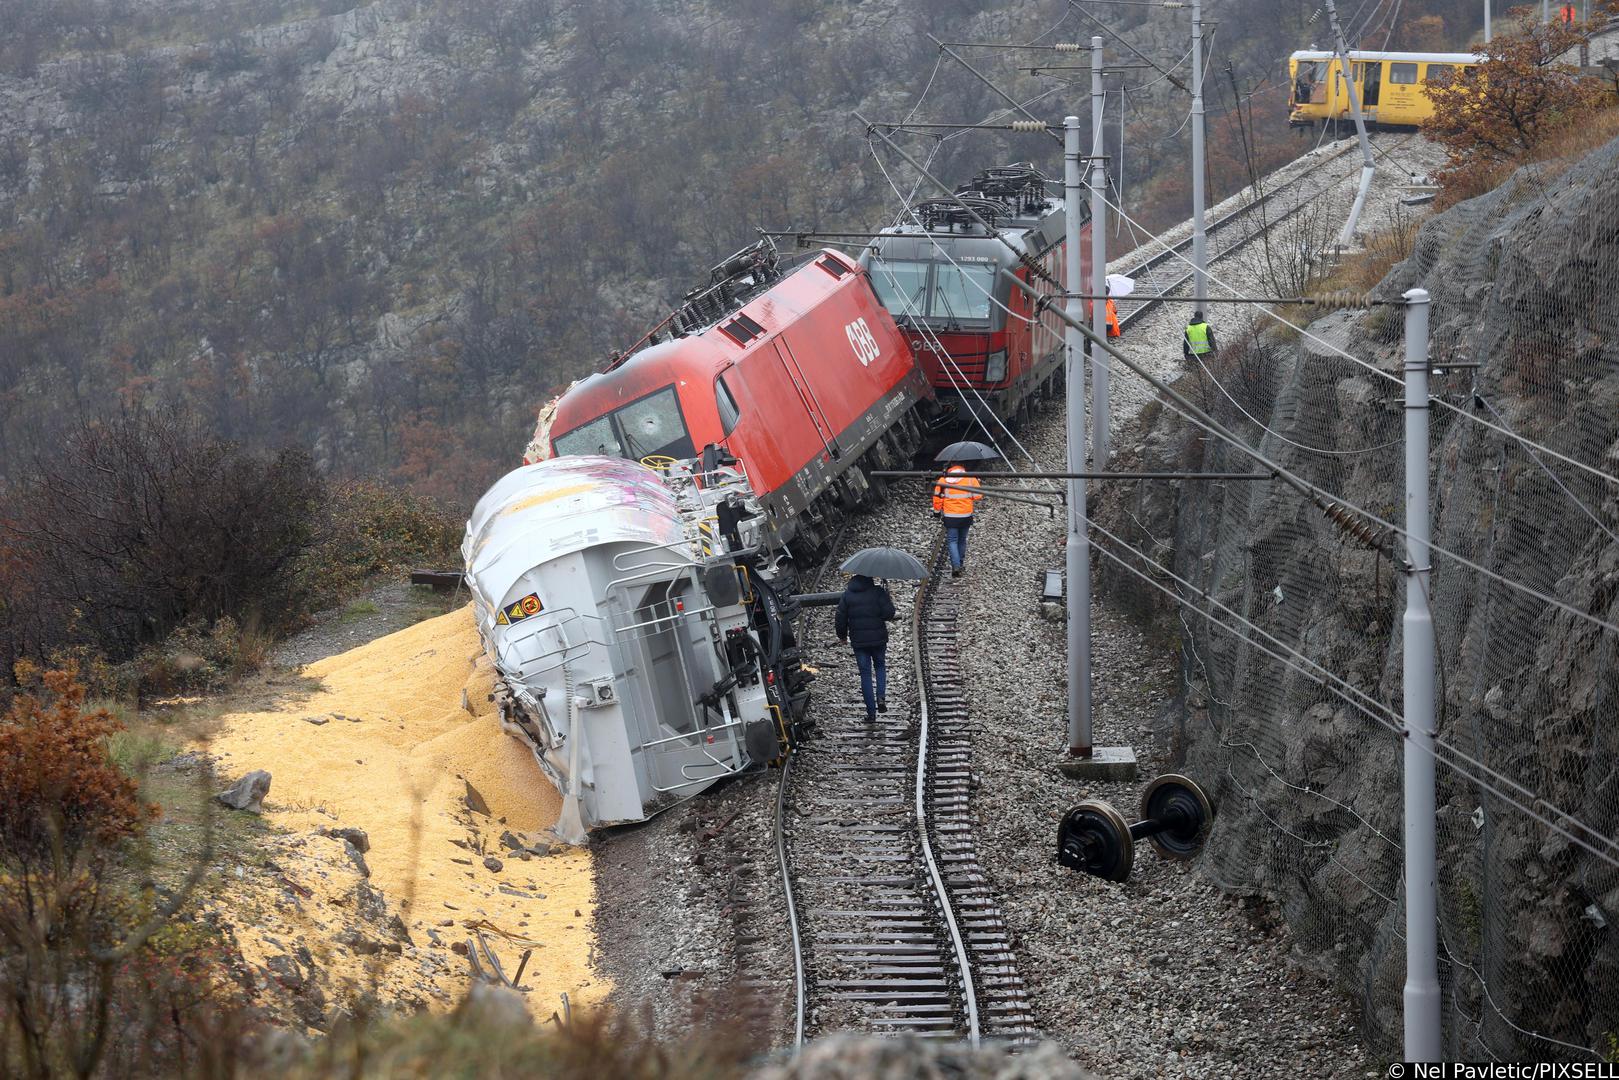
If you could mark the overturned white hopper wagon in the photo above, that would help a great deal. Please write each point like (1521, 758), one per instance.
(621, 634)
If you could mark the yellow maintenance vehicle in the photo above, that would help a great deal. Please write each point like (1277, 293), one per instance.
(1389, 85)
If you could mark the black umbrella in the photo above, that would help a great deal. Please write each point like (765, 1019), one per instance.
(968, 451)
(885, 562)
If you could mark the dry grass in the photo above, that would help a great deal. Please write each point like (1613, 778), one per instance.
(1358, 272)
(254, 644)
(1556, 154)
(1573, 143)
(488, 1036)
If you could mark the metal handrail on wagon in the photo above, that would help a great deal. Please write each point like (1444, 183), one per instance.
(511, 643)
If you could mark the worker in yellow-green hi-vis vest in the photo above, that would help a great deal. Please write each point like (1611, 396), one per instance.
(1199, 339)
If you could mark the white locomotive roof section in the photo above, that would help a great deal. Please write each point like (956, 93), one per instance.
(1398, 57)
(541, 512)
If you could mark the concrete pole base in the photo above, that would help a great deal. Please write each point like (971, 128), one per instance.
(1105, 763)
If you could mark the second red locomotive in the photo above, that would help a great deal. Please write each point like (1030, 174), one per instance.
(981, 342)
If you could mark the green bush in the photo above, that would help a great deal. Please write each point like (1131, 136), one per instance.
(195, 658)
(370, 529)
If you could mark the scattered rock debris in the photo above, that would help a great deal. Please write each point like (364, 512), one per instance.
(357, 837)
(247, 793)
(357, 858)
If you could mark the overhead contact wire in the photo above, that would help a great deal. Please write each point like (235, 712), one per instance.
(1438, 402)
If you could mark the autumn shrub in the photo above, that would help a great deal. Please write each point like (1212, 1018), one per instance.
(99, 973)
(60, 792)
(1521, 101)
(142, 522)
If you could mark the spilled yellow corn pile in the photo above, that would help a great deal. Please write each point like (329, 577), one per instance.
(407, 726)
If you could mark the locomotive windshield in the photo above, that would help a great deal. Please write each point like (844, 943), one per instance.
(942, 291)
(901, 286)
(962, 292)
(648, 427)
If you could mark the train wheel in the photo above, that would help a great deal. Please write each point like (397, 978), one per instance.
(1180, 803)
(1095, 838)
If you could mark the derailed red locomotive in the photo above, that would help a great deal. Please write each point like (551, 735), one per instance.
(802, 376)
(806, 377)
(985, 346)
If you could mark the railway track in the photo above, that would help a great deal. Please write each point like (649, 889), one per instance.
(1167, 271)
(754, 923)
(894, 928)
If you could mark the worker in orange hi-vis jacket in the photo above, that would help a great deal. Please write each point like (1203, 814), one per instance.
(955, 494)
(1567, 14)
(1111, 312)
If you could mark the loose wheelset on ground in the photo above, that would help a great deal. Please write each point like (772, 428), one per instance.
(1095, 839)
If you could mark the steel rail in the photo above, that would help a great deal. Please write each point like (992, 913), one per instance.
(1179, 248)
(790, 902)
(949, 917)
(800, 990)
(946, 909)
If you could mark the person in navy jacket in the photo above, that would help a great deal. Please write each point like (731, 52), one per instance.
(864, 612)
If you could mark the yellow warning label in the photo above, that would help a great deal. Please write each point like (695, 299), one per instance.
(526, 608)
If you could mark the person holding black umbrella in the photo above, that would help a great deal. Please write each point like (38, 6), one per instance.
(864, 612)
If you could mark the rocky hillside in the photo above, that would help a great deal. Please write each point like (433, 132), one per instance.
(1309, 775)
(389, 230)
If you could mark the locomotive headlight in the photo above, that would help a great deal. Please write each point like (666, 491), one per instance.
(995, 366)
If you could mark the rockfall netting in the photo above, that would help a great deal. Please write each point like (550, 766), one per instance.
(1292, 630)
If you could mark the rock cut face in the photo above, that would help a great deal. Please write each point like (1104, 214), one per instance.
(1524, 283)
